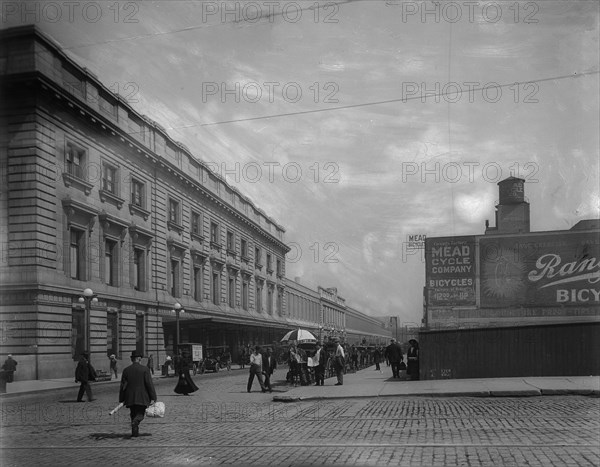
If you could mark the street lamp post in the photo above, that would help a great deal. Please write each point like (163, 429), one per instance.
(87, 298)
(177, 308)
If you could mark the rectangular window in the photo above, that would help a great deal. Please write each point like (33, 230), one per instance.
(244, 247)
(76, 253)
(280, 303)
(196, 223)
(279, 268)
(175, 278)
(109, 179)
(216, 292)
(75, 161)
(110, 262)
(139, 269)
(174, 211)
(214, 232)
(139, 334)
(245, 295)
(257, 256)
(77, 333)
(198, 284)
(270, 301)
(230, 241)
(137, 194)
(112, 333)
(259, 299)
(269, 262)
(232, 292)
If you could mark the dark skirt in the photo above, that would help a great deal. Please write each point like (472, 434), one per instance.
(185, 384)
(413, 369)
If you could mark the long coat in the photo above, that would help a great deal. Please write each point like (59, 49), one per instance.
(394, 353)
(85, 371)
(136, 386)
(266, 368)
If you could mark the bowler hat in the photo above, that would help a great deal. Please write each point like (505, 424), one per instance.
(136, 353)
(412, 341)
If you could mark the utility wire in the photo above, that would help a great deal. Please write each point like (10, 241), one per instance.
(388, 101)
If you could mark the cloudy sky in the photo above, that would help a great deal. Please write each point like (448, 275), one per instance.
(328, 100)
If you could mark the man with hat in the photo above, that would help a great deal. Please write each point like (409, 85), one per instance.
(137, 391)
(394, 353)
(9, 367)
(84, 373)
(339, 362)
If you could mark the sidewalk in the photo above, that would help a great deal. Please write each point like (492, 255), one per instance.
(371, 383)
(32, 386)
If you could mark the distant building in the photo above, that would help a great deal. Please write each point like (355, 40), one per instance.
(512, 302)
(512, 276)
(326, 314)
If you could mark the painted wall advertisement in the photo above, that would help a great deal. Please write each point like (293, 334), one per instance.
(450, 271)
(540, 270)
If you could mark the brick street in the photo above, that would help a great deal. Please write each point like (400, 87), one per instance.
(223, 424)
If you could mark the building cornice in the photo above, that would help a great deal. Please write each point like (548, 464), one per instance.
(113, 128)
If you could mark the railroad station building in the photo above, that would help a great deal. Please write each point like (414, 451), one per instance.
(112, 233)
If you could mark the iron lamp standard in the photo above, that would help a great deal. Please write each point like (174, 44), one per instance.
(177, 308)
(87, 298)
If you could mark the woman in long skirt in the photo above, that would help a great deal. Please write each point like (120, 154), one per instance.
(185, 383)
(413, 360)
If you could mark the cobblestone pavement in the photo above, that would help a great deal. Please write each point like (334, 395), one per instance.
(223, 424)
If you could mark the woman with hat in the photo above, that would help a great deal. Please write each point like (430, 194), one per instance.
(185, 383)
(413, 360)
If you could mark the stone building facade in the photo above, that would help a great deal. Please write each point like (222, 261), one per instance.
(97, 198)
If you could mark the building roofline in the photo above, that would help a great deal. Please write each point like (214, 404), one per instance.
(37, 34)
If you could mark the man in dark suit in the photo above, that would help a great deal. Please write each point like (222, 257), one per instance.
(84, 373)
(320, 361)
(269, 363)
(137, 391)
(394, 353)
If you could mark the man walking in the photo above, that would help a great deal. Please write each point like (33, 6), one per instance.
(256, 369)
(137, 391)
(84, 373)
(9, 367)
(268, 367)
(394, 353)
(150, 363)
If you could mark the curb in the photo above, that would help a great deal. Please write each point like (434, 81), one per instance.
(519, 393)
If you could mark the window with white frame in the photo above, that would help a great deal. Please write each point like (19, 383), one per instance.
(109, 178)
(75, 160)
(138, 194)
